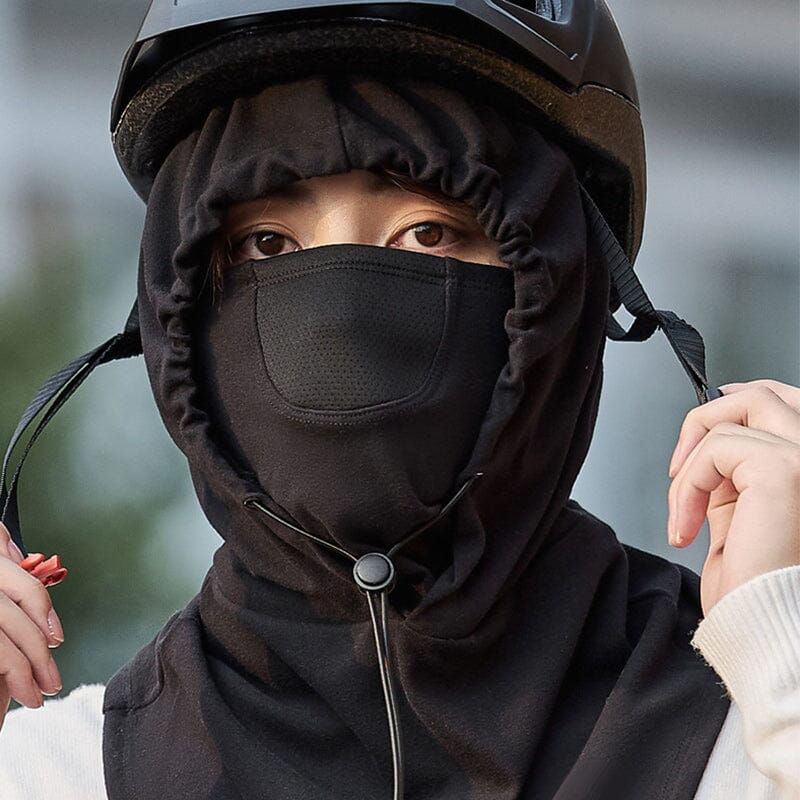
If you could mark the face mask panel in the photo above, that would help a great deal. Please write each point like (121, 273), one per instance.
(341, 335)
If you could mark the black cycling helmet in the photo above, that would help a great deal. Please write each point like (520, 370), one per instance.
(560, 62)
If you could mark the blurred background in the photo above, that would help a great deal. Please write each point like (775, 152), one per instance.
(107, 489)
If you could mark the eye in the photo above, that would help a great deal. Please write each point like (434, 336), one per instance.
(258, 245)
(268, 243)
(426, 235)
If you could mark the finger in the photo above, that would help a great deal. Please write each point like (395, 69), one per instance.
(29, 594)
(7, 546)
(31, 642)
(5, 699)
(701, 468)
(16, 671)
(788, 393)
(746, 458)
(756, 407)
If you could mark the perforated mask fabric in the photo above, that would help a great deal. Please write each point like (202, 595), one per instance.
(335, 339)
(535, 656)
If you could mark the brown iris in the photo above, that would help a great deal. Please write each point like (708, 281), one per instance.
(268, 243)
(428, 234)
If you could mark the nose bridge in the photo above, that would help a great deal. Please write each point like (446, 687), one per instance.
(348, 221)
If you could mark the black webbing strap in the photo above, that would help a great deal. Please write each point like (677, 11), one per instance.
(57, 389)
(685, 340)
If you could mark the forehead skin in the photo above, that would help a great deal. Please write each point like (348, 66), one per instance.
(359, 207)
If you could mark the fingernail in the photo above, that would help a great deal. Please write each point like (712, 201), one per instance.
(14, 553)
(55, 679)
(675, 460)
(678, 538)
(54, 624)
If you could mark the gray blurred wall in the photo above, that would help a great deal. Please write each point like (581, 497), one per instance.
(719, 90)
(718, 83)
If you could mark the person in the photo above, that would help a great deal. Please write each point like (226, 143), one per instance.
(373, 309)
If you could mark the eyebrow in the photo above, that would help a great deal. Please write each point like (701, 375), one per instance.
(294, 191)
(299, 192)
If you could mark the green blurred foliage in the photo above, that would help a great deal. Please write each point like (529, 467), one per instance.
(85, 493)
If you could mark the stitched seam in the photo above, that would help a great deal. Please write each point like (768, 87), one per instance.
(354, 416)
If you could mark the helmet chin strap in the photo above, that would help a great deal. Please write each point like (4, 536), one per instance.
(58, 388)
(55, 391)
(685, 340)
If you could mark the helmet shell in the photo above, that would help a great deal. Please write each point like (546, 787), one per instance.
(560, 63)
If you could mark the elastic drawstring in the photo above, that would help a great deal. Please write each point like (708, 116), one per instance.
(384, 665)
(375, 575)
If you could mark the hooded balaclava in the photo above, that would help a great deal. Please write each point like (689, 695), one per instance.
(351, 391)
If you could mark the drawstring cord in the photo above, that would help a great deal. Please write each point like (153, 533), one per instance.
(375, 575)
(252, 502)
(445, 508)
(384, 666)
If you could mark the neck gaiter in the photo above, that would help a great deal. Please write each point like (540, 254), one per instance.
(353, 390)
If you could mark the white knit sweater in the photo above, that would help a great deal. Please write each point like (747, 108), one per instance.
(751, 638)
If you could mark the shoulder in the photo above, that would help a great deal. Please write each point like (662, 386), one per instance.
(60, 744)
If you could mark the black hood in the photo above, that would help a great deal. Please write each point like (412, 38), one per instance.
(537, 656)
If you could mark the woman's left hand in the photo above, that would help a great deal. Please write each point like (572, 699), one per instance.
(737, 462)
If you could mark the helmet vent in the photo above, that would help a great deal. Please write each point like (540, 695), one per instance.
(549, 8)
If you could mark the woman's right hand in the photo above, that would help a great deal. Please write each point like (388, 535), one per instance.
(29, 627)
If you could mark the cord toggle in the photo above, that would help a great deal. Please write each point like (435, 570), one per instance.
(374, 572)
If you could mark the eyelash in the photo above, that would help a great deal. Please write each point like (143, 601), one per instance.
(238, 245)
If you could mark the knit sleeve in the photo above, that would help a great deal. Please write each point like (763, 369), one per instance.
(752, 640)
(56, 750)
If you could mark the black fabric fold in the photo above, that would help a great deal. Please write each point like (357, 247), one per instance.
(537, 656)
